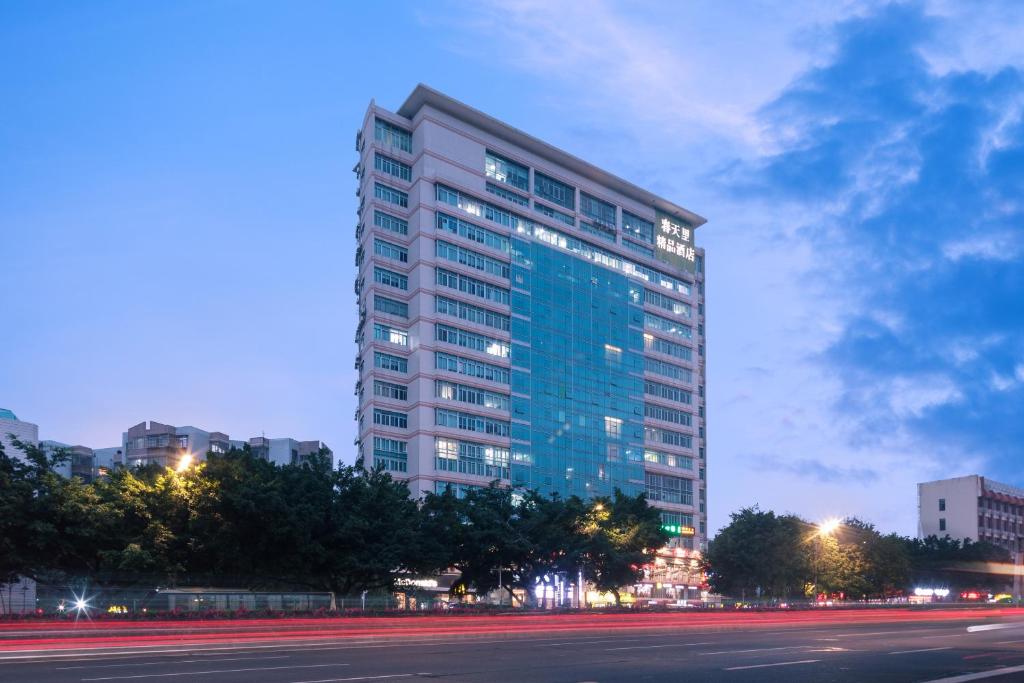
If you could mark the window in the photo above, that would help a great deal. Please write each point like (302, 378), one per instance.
(668, 489)
(451, 455)
(382, 304)
(472, 259)
(391, 251)
(638, 249)
(390, 195)
(684, 462)
(385, 361)
(554, 191)
(942, 523)
(679, 417)
(668, 303)
(389, 222)
(469, 285)
(602, 231)
(668, 370)
(656, 322)
(389, 390)
(552, 213)
(391, 335)
(183, 441)
(392, 167)
(613, 427)
(670, 438)
(597, 209)
(390, 278)
(504, 171)
(457, 419)
(390, 418)
(652, 343)
(464, 311)
(391, 454)
(451, 391)
(457, 489)
(942, 504)
(471, 368)
(637, 227)
(667, 392)
(507, 194)
(392, 135)
(486, 237)
(471, 340)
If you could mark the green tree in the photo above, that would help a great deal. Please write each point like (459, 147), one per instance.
(371, 533)
(761, 554)
(620, 535)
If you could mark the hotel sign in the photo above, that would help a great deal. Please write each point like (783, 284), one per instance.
(673, 242)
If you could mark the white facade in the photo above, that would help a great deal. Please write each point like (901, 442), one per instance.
(971, 507)
(26, 432)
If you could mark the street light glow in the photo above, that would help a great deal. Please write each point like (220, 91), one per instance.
(184, 463)
(828, 527)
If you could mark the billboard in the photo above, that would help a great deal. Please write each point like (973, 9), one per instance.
(673, 242)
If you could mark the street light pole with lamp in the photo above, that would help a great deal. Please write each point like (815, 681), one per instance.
(825, 528)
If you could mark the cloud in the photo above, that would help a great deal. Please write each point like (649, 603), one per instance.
(861, 167)
(999, 247)
(814, 469)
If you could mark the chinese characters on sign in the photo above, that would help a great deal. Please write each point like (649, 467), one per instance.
(674, 242)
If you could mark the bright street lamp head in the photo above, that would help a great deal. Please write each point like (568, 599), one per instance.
(184, 463)
(827, 527)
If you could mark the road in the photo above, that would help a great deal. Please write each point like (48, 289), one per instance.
(954, 647)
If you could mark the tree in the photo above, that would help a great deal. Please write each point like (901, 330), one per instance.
(950, 563)
(371, 532)
(621, 534)
(486, 539)
(761, 554)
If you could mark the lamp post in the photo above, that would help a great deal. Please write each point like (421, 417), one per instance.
(823, 529)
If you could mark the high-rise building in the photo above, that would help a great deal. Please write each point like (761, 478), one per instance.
(973, 507)
(10, 425)
(525, 316)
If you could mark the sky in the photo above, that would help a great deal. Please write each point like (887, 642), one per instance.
(177, 214)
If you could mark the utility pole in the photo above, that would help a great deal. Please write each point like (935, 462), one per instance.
(1016, 569)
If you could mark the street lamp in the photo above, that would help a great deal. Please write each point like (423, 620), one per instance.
(184, 463)
(823, 529)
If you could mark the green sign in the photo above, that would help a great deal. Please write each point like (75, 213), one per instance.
(673, 242)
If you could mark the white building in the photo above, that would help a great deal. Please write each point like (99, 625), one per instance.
(971, 507)
(525, 316)
(23, 431)
(286, 451)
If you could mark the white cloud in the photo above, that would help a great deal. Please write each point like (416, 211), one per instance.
(684, 83)
(1002, 382)
(996, 247)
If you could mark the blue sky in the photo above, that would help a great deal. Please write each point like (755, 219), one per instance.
(177, 212)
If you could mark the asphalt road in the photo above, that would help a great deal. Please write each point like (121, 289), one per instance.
(949, 650)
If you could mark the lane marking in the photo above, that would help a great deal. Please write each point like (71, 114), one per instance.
(363, 678)
(648, 647)
(166, 663)
(761, 666)
(214, 671)
(759, 649)
(926, 649)
(991, 673)
(991, 627)
(1008, 642)
(605, 640)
